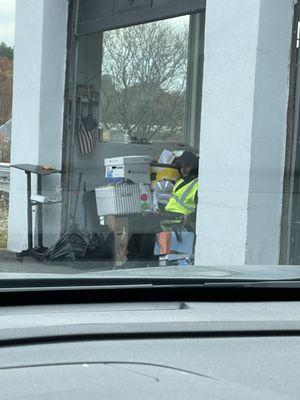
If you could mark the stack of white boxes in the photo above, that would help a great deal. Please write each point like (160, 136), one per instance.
(132, 197)
(128, 192)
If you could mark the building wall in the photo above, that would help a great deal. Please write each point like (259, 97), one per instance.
(38, 99)
(269, 132)
(245, 96)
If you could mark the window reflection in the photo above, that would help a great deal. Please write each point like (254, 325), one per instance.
(143, 85)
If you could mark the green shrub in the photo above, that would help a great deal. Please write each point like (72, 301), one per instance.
(3, 240)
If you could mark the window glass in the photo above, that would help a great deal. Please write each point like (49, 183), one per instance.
(143, 85)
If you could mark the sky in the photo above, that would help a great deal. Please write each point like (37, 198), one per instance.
(7, 21)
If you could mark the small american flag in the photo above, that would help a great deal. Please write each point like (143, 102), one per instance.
(87, 135)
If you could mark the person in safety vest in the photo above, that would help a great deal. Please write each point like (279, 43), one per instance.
(179, 210)
(181, 207)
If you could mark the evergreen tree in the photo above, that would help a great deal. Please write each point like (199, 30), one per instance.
(6, 51)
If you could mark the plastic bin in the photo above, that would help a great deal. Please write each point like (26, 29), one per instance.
(123, 199)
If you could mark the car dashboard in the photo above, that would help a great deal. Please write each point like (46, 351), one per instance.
(136, 350)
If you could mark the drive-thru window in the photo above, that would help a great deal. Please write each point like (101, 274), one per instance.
(136, 77)
(120, 102)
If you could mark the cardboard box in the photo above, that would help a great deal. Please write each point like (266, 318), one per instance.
(137, 173)
(134, 168)
(119, 226)
(127, 160)
(116, 223)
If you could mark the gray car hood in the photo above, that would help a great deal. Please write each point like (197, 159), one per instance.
(201, 272)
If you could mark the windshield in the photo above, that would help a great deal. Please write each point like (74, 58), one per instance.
(137, 134)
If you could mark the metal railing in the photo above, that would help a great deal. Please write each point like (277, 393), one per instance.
(4, 176)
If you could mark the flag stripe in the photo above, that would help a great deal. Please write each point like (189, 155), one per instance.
(87, 139)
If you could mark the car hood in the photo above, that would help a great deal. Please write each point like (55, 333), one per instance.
(226, 273)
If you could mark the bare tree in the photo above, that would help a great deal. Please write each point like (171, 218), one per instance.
(144, 79)
(6, 85)
(5, 151)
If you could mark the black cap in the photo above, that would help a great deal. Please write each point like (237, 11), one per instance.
(188, 157)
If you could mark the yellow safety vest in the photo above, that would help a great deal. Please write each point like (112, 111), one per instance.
(183, 200)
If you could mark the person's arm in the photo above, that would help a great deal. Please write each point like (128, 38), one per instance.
(191, 217)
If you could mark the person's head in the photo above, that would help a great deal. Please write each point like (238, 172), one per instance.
(188, 164)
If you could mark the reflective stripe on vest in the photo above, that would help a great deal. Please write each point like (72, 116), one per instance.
(179, 202)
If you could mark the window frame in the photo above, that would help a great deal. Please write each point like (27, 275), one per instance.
(194, 81)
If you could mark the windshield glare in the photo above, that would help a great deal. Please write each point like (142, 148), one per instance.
(149, 135)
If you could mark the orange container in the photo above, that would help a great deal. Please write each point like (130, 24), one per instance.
(164, 242)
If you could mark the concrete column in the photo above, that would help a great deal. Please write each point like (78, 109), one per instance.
(242, 146)
(269, 132)
(38, 99)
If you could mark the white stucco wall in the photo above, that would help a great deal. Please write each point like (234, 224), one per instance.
(243, 122)
(226, 124)
(38, 99)
(269, 132)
